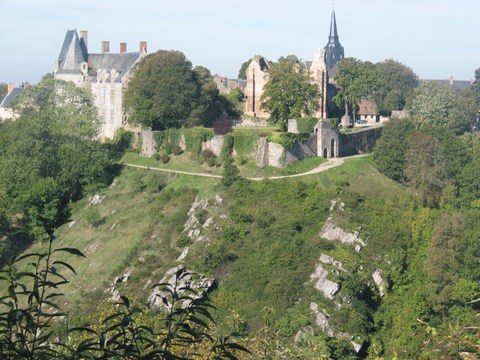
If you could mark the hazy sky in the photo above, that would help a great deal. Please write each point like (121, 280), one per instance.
(436, 38)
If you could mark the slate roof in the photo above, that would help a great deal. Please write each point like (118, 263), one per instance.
(7, 100)
(73, 53)
(118, 62)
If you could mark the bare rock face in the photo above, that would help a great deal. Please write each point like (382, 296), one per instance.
(377, 278)
(159, 298)
(114, 293)
(96, 200)
(332, 232)
(322, 320)
(214, 145)
(326, 287)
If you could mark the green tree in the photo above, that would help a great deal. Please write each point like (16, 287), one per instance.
(390, 149)
(165, 92)
(3, 89)
(289, 92)
(437, 104)
(425, 169)
(476, 87)
(355, 80)
(394, 84)
(242, 73)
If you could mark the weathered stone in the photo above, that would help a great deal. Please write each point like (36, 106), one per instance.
(326, 259)
(96, 200)
(326, 287)
(148, 144)
(293, 126)
(183, 254)
(322, 320)
(214, 145)
(377, 278)
(334, 233)
(208, 223)
(218, 200)
(71, 223)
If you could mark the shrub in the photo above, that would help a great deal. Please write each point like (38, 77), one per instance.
(168, 147)
(227, 147)
(184, 241)
(241, 160)
(177, 150)
(306, 124)
(288, 140)
(202, 215)
(211, 161)
(94, 218)
(165, 158)
(157, 156)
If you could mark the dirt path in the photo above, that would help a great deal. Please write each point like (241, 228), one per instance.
(330, 164)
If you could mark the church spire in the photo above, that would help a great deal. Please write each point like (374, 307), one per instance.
(333, 50)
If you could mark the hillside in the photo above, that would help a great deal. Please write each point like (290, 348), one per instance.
(265, 243)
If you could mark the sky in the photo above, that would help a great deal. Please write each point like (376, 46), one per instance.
(436, 38)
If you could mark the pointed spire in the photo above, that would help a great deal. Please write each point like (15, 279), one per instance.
(333, 37)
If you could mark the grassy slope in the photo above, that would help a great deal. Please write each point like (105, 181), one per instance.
(268, 259)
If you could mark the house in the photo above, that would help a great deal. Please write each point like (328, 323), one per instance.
(105, 74)
(6, 112)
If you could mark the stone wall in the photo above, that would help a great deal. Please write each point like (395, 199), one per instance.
(248, 122)
(273, 154)
(358, 142)
(108, 100)
(214, 145)
(148, 144)
(256, 79)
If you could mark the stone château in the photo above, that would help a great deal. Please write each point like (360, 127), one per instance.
(105, 74)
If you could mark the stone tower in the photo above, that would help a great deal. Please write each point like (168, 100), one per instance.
(319, 73)
(257, 77)
(333, 50)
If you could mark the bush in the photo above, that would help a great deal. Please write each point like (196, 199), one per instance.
(177, 150)
(241, 160)
(227, 147)
(165, 158)
(94, 218)
(157, 156)
(211, 161)
(288, 140)
(168, 147)
(184, 241)
(306, 124)
(202, 215)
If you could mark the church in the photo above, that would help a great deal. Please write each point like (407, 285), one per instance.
(104, 74)
(322, 69)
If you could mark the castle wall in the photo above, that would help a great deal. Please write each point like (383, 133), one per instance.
(318, 71)
(108, 99)
(358, 142)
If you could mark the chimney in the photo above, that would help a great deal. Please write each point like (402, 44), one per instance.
(84, 37)
(105, 46)
(10, 87)
(123, 48)
(143, 47)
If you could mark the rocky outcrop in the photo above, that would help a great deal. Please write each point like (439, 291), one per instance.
(377, 278)
(192, 285)
(326, 287)
(214, 145)
(334, 233)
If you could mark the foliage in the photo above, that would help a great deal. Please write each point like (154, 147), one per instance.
(439, 105)
(166, 93)
(390, 150)
(289, 92)
(476, 86)
(388, 83)
(3, 89)
(94, 218)
(30, 307)
(227, 147)
(230, 172)
(242, 73)
(165, 158)
(288, 140)
(425, 169)
(245, 143)
(306, 124)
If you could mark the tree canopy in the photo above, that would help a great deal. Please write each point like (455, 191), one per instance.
(289, 92)
(438, 104)
(165, 92)
(388, 83)
(476, 86)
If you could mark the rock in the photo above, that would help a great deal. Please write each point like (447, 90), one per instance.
(141, 259)
(334, 233)
(332, 206)
(114, 225)
(183, 254)
(201, 285)
(322, 320)
(71, 223)
(377, 278)
(214, 145)
(218, 200)
(96, 200)
(208, 222)
(325, 259)
(326, 287)
(223, 216)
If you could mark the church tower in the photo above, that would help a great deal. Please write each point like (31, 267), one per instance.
(333, 50)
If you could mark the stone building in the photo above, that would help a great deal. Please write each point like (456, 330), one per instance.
(105, 74)
(322, 70)
(6, 112)
(257, 77)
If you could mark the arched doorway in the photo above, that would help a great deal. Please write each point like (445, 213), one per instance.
(325, 153)
(332, 148)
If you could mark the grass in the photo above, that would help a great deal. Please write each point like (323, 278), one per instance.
(184, 162)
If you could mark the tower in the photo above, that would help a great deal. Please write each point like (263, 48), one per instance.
(333, 50)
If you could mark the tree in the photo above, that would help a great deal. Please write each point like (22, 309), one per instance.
(390, 149)
(439, 105)
(165, 92)
(289, 92)
(425, 168)
(355, 80)
(476, 87)
(394, 84)
(3, 90)
(242, 73)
